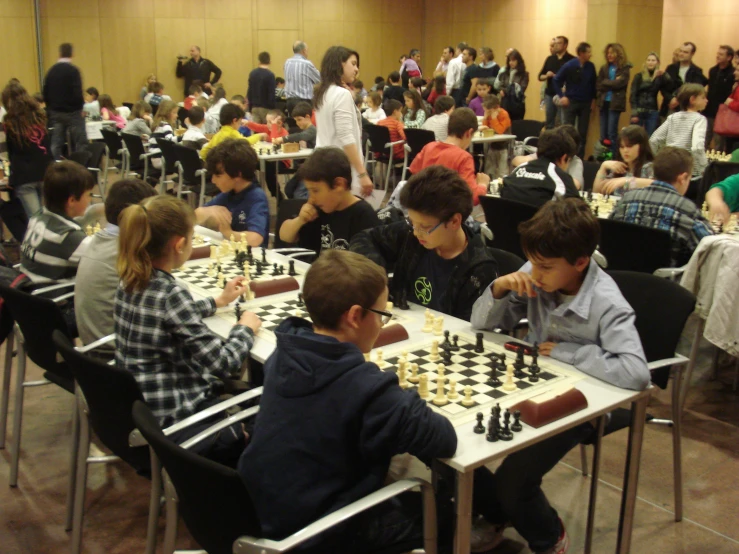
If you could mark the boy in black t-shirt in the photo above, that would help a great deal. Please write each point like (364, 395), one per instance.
(436, 260)
(332, 215)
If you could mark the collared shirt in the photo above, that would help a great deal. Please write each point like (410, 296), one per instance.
(249, 209)
(300, 76)
(660, 206)
(595, 332)
(175, 358)
(454, 74)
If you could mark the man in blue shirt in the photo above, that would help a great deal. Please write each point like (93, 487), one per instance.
(577, 78)
(242, 205)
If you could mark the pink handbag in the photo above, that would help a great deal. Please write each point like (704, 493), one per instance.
(727, 122)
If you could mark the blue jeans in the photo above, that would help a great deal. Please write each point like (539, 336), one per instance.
(30, 196)
(551, 111)
(609, 126)
(60, 122)
(649, 120)
(578, 114)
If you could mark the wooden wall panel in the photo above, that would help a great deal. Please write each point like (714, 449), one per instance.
(278, 14)
(177, 9)
(16, 8)
(232, 52)
(280, 46)
(84, 34)
(368, 42)
(323, 10)
(69, 8)
(229, 9)
(128, 9)
(21, 62)
(174, 37)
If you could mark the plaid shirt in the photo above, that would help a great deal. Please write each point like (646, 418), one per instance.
(660, 206)
(175, 358)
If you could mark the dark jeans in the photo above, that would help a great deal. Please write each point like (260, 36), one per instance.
(578, 114)
(14, 217)
(271, 170)
(513, 493)
(609, 126)
(61, 121)
(649, 120)
(551, 111)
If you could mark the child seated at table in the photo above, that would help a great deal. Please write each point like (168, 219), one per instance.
(484, 88)
(437, 261)
(156, 96)
(439, 122)
(273, 128)
(394, 124)
(161, 337)
(453, 153)
(496, 118)
(414, 113)
(240, 101)
(91, 108)
(108, 111)
(140, 120)
(578, 315)
(194, 137)
(301, 113)
(231, 116)
(242, 204)
(331, 420)
(332, 215)
(394, 91)
(165, 122)
(196, 91)
(723, 199)
(374, 113)
(279, 88)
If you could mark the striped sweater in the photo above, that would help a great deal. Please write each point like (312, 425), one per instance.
(684, 130)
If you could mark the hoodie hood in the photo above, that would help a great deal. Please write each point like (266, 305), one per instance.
(305, 362)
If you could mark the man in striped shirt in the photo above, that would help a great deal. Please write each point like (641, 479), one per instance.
(54, 242)
(662, 205)
(300, 76)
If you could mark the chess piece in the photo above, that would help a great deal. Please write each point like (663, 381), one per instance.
(492, 434)
(414, 374)
(403, 301)
(505, 433)
(493, 380)
(440, 398)
(434, 355)
(446, 357)
(423, 386)
(454, 347)
(238, 311)
(366, 356)
(300, 299)
(291, 268)
(389, 307)
(479, 428)
(595, 211)
(519, 364)
(88, 230)
(439, 372)
(220, 282)
(516, 421)
(249, 255)
(212, 252)
(402, 381)
(438, 326)
(534, 368)
(478, 343)
(275, 271)
(299, 313)
(97, 228)
(467, 400)
(452, 394)
(509, 385)
(211, 270)
(446, 343)
(382, 364)
(264, 256)
(428, 323)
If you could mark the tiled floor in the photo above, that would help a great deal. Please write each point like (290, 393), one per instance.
(32, 515)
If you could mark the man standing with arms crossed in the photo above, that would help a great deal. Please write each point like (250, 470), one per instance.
(552, 65)
(300, 76)
(197, 68)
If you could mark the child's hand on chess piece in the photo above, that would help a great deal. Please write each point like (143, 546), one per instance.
(545, 348)
(233, 289)
(250, 320)
(308, 213)
(277, 141)
(262, 137)
(519, 282)
(718, 213)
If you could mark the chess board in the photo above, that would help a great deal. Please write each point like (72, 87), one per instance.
(195, 273)
(470, 368)
(266, 148)
(603, 203)
(729, 228)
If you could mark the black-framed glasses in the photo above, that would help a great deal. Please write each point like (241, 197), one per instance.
(386, 316)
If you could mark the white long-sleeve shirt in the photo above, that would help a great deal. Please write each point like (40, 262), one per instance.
(454, 74)
(338, 123)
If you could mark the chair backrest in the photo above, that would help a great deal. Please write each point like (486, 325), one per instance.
(378, 137)
(503, 217)
(182, 114)
(38, 318)
(631, 247)
(110, 393)
(81, 156)
(168, 153)
(507, 261)
(135, 147)
(524, 128)
(416, 139)
(128, 105)
(213, 499)
(114, 142)
(190, 161)
(589, 169)
(97, 151)
(288, 209)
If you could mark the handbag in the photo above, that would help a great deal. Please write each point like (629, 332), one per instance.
(727, 122)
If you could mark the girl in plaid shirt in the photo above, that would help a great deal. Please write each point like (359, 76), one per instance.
(161, 338)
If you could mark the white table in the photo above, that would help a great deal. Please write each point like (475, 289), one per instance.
(277, 158)
(473, 450)
(481, 139)
(93, 128)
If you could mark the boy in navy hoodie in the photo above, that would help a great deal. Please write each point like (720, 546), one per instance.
(329, 421)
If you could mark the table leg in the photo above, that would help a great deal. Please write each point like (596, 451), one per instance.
(463, 504)
(631, 474)
(262, 173)
(687, 376)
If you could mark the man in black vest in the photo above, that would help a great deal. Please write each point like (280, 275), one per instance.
(63, 96)
(197, 68)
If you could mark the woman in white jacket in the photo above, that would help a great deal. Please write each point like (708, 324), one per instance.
(338, 121)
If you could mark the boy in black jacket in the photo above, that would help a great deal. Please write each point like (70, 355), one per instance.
(329, 421)
(437, 261)
(545, 178)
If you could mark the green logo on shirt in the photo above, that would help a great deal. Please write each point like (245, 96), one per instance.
(423, 290)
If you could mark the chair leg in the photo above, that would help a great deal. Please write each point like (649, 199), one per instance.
(73, 462)
(584, 460)
(389, 171)
(154, 503)
(691, 364)
(20, 377)
(83, 451)
(677, 457)
(5, 398)
(201, 200)
(594, 485)
(170, 530)
(430, 539)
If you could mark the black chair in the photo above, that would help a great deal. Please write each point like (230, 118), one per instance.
(115, 150)
(182, 115)
(219, 513)
(380, 150)
(589, 171)
(128, 105)
(81, 157)
(138, 157)
(714, 173)
(105, 396)
(507, 261)
(662, 308)
(415, 140)
(502, 217)
(193, 174)
(526, 128)
(170, 163)
(630, 247)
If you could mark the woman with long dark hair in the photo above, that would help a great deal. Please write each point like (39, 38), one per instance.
(29, 145)
(511, 84)
(632, 167)
(338, 121)
(611, 84)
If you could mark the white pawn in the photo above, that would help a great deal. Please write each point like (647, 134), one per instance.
(434, 355)
(467, 400)
(213, 252)
(88, 230)
(428, 323)
(440, 371)
(438, 327)
(382, 364)
(220, 282)
(389, 307)
(402, 381)
(414, 374)
(211, 270)
(509, 385)
(423, 386)
(298, 313)
(440, 398)
(97, 228)
(452, 394)
(366, 356)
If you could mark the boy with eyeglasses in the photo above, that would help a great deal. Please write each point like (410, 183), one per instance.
(435, 259)
(331, 421)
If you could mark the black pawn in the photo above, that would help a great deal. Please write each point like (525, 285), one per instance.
(275, 271)
(479, 428)
(446, 343)
(454, 347)
(446, 357)
(249, 255)
(403, 301)
(493, 380)
(595, 211)
(492, 435)
(479, 348)
(516, 421)
(238, 312)
(300, 299)
(291, 268)
(505, 433)
(264, 256)
(282, 269)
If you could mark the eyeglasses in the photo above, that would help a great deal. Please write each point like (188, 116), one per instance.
(386, 316)
(423, 232)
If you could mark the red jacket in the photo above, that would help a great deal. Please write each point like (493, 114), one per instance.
(453, 157)
(273, 131)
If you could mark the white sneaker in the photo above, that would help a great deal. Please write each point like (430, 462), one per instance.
(485, 536)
